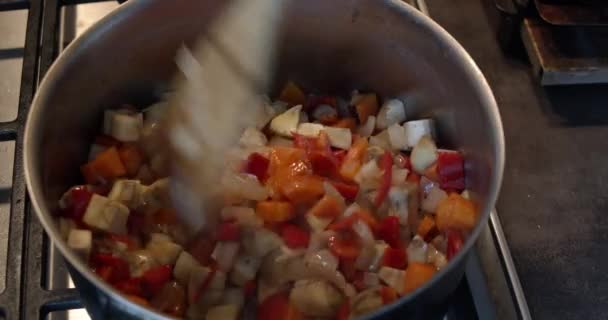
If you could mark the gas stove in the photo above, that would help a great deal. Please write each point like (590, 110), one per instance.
(34, 282)
(564, 39)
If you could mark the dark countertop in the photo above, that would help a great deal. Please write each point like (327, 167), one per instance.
(554, 200)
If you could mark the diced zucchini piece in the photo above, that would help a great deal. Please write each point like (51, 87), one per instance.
(107, 215)
(81, 242)
(245, 269)
(127, 192)
(224, 312)
(394, 278)
(183, 267)
(163, 249)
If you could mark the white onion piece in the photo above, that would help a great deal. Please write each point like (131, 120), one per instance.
(155, 113)
(244, 216)
(414, 130)
(81, 242)
(399, 204)
(395, 278)
(330, 190)
(424, 154)
(466, 194)
(370, 279)
(399, 176)
(234, 296)
(340, 138)
(368, 176)
(225, 254)
(288, 253)
(314, 298)
(352, 208)
(397, 138)
(287, 122)
(323, 258)
(381, 140)
(310, 130)
(245, 269)
(260, 242)
(363, 231)
(366, 257)
(417, 250)
(317, 224)
(367, 129)
(252, 137)
(391, 112)
(435, 257)
(366, 302)
(244, 185)
(380, 247)
(318, 241)
(426, 185)
(278, 141)
(440, 243)
(431, 200)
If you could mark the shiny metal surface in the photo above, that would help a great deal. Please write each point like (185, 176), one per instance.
(385, 46)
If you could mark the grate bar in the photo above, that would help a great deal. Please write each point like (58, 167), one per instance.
(10, 299)
(6, 5)
(38, 300)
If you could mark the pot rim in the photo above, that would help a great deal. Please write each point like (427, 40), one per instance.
(45, 217)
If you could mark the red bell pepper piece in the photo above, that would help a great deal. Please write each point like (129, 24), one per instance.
(389, 231)
(369, 219)
(357, 280)
(319, 153)
(395, 258)
(343, 224)
(323, 163)
(79, 201)
(127, 240)
(388, 294)
(339, 155)
(348, 190)
(204, 285)
(294, 236)
(131, 287)
(154, 279)
(344, 311)
(345, 244)
(450, 167)
(257, 165)
(228, 231)
(249, 288)
(278, 307)
(385, 184)
(455, 243)
(201, 248)
(413, 178)
(136, 223)
(110, 268)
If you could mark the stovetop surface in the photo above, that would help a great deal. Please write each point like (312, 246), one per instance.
(552, 205)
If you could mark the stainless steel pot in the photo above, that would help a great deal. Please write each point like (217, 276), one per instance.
(382, 45)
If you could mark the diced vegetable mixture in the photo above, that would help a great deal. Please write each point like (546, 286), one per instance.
(333, 209)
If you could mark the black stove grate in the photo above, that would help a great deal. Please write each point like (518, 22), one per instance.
(490, 286)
